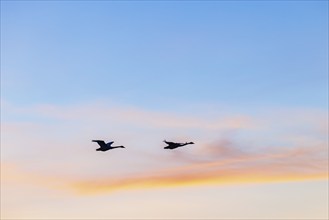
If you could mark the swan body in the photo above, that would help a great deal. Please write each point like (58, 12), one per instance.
(173, 145)
(105, 146)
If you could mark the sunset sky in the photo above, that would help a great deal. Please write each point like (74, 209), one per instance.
(246, 81)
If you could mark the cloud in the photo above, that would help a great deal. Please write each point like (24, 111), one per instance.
(54, 147)
(303, 163)
(110, 113)
(236, 167)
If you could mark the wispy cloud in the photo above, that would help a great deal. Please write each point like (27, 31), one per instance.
(272, 165)
(304, 163)
(110, 113)
(56, 148)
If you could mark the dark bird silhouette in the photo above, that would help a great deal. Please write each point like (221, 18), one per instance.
(172, 145)
(105, 147)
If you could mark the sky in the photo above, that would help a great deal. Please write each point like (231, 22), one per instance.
(246, 81)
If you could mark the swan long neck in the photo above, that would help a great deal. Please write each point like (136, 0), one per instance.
(118, 147)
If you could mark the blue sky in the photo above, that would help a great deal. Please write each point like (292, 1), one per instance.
(247, 81)
(157, 53)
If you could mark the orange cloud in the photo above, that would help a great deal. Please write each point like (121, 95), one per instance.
(285, 165)
(235, 167)
(224, 161)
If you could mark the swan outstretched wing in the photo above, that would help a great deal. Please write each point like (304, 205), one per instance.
(100, 143)
(170, 143)
(110, 143)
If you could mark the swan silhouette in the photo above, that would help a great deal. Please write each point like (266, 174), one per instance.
(105, 147)
(172, 145)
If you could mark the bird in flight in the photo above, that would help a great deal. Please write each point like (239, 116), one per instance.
(172, 145)
(104, 146)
